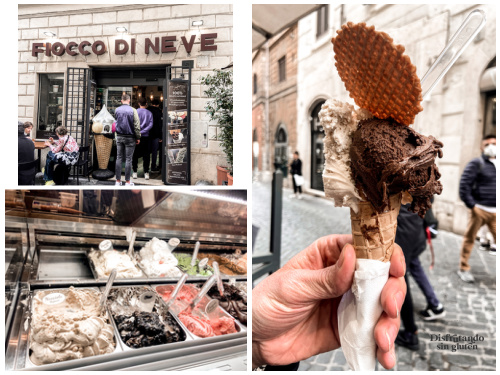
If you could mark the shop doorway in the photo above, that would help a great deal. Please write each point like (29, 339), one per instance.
(105, 87)
(317, 156)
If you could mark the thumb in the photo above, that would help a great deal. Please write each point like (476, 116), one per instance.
(333, 281)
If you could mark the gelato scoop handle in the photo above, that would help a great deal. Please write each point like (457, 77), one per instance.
(131, 245)
(176, 291)
(472, 25)
(109, 284)
(204, 290)
(195, 253)
(220, 286)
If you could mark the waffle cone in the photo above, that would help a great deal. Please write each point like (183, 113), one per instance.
(103, 146)
(373, 232)
(377, 73)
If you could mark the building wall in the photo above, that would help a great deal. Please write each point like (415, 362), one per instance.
(454, 113)
(99, 22)
(279, 97)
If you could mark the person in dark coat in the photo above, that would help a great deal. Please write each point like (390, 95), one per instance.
(411, 236)
(155, 134)
(478, 192)
(296, 169)
(26, 154)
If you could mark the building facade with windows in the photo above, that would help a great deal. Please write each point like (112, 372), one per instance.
(460, 111)
(73, 59)
(274, 103)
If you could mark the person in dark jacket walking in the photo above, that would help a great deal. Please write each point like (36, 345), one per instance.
(296, 169)
(478, 192)
(411, 236)
(155, 134)
(128, 134)
(26, 154)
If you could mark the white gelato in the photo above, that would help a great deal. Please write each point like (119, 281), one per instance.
(105, 261)
(339, 121)
(68, 324)
(156, 258)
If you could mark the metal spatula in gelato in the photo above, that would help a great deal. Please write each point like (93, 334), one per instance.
(203, 291)
(195, 253)
(220, 285)
(176, 291)
(109, 284)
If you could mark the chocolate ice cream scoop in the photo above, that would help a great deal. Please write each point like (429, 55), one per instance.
(388, 157)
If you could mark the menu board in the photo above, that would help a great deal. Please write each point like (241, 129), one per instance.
(178, 157)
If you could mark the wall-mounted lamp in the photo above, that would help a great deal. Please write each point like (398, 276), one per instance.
(49, 34)
(151, 95)
(197, 23)
(121, 29)
(161, 97)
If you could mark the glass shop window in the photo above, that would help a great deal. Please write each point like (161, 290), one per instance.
(50, 105)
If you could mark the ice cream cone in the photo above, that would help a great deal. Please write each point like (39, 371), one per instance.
(373, 232)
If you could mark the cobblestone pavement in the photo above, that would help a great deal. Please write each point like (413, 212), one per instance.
(470, 308)
(111, 182)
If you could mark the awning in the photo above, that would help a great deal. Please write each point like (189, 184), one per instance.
(270, 19)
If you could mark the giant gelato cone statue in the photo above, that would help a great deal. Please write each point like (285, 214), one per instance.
(374, 162)
(102, 128)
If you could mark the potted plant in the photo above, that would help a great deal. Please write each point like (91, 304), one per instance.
(219, 87)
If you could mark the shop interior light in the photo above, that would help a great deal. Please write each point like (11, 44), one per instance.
(121, 29)
(49, 34)
(161, 97)
(197, 23)
(151, 95)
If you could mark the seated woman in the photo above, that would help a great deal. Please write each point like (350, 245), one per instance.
(62, 151)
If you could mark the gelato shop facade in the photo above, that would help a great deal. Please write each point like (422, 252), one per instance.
(76, 59)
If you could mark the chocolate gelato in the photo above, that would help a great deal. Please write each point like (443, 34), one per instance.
(233, 301)
(388, 157)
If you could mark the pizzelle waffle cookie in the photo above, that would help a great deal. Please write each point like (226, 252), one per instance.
(373, 233)
(376, 73)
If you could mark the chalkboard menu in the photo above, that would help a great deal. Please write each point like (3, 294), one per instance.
(178, 137)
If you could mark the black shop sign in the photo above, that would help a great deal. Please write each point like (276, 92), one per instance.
(178, 126)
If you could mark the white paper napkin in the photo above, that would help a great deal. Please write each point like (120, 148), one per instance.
(359, 311)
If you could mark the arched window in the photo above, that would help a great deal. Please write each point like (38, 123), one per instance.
(281, 149)
(488, 90)
(317, 156)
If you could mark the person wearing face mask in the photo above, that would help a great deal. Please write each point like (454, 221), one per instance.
(478, 192)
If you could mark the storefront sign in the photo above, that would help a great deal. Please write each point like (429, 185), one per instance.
(158, 45)
(178, 136)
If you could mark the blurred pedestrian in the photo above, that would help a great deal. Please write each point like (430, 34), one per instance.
(156, 134)
(478, 192)
(296, 172)
(128, 134)
(411, 236)
(486, 239)
(142, 149)
(25, 155)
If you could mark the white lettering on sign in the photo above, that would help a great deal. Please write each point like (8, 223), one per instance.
(53, 298)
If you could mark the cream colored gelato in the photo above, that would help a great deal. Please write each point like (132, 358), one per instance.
(340, 120)
(68, 324)
(156, 258)
(106, 261)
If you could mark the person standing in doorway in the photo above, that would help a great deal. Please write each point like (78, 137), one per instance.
(155, 134)
(128, 134)
(478, 192)
(296, 170)
(143, 150)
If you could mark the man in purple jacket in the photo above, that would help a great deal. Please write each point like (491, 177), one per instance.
(146, 119)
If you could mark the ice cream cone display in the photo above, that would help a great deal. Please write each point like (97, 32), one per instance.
(373, 232)
(103, 146)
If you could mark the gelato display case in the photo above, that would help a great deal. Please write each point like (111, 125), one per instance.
(60, 249)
